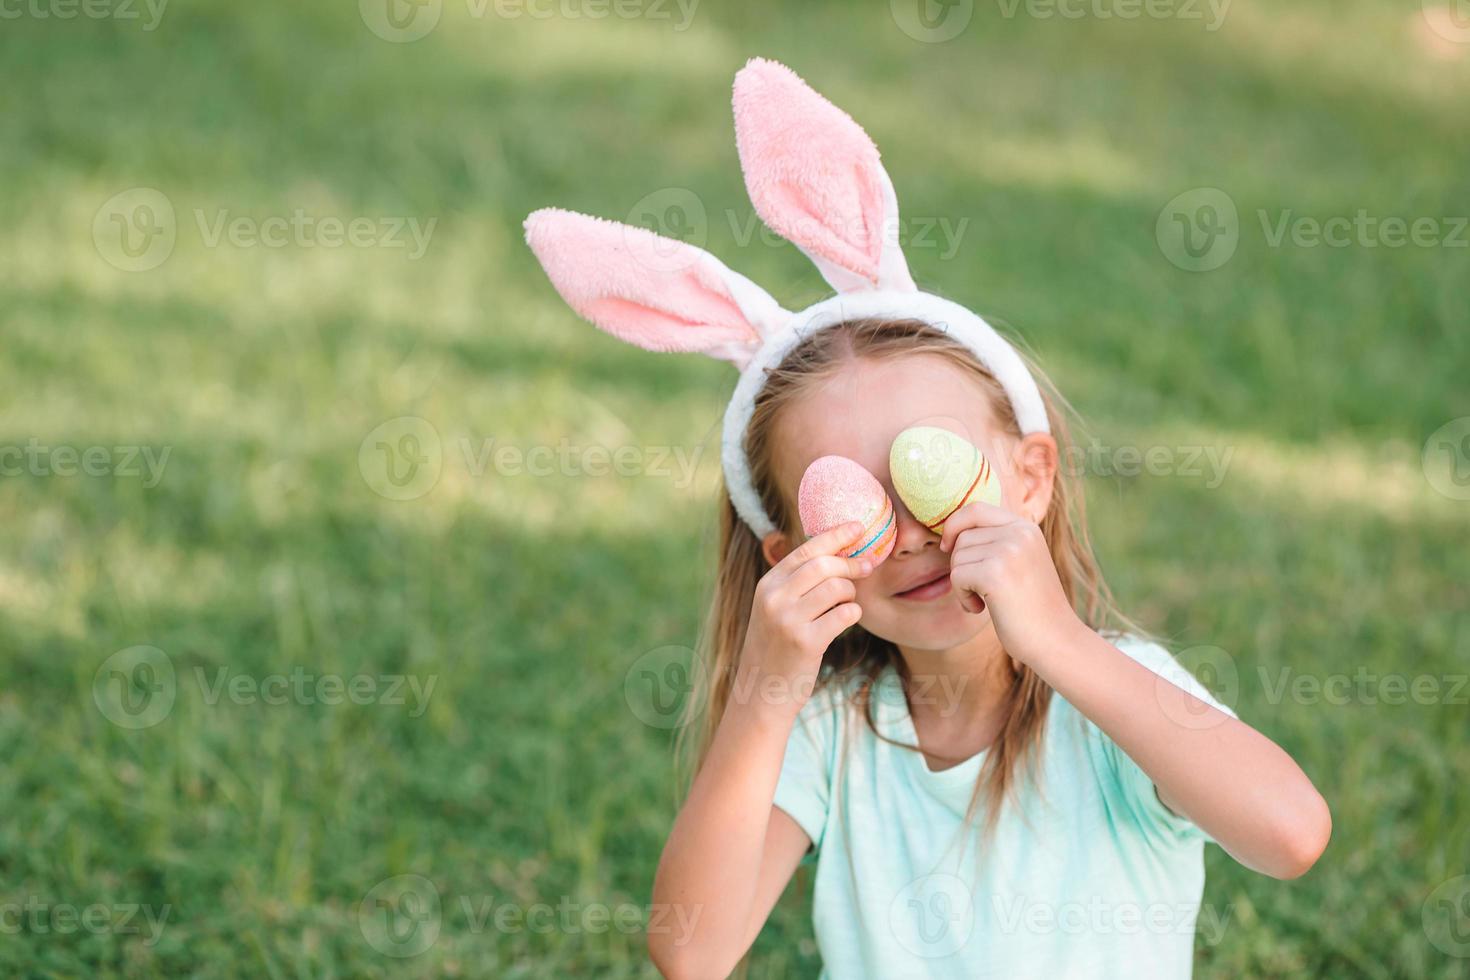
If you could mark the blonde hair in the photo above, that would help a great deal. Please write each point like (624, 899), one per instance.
(858, 654)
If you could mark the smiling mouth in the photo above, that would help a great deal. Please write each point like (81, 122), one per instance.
(932, 589)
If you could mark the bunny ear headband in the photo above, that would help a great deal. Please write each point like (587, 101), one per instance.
(815, 178)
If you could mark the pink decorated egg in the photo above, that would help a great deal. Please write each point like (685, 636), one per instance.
(835, 490)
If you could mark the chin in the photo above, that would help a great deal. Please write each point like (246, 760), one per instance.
(937, 629)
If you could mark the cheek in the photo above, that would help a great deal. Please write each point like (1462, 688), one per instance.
(1012, 492)
(1012, 483)
(868, 588)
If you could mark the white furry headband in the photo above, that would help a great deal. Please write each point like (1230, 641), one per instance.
(815, 178)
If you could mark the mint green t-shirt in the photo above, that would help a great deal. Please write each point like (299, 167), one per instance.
(1095, 878)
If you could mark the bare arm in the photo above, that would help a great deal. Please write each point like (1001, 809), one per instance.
(1235, 783)
(731, 852)
(1231, 780)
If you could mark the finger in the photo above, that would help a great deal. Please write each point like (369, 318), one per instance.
(969, 582)
(824, 567)
(973, 555)
(829, 542)
(973, 552)
(979, 543)
(828, 593)
(977, 513)
(981, 536)
(834, 621)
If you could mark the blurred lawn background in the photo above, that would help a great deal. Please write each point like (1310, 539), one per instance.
(263, 371)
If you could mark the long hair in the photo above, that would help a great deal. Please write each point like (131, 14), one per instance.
(858, 655)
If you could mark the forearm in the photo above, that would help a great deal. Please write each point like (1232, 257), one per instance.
(711, 864)
(1232, 781)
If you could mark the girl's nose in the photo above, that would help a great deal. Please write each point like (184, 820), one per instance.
(912, 536)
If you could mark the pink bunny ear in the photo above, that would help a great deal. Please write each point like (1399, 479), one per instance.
(815, 178)
(651, 291)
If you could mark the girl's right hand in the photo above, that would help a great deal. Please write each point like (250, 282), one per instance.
(800, 607)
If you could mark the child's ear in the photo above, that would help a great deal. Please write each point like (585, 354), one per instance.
(776, 546)
(1035, 460)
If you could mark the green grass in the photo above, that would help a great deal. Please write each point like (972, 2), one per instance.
(527, 599)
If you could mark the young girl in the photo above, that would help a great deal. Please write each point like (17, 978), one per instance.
(994, 774)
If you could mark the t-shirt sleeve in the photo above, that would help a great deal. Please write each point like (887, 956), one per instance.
(804, 790)
(1132, 789)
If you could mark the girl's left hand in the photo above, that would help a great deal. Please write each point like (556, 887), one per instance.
(1002, 558)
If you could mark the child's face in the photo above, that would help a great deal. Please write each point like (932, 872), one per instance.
(907, 600)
